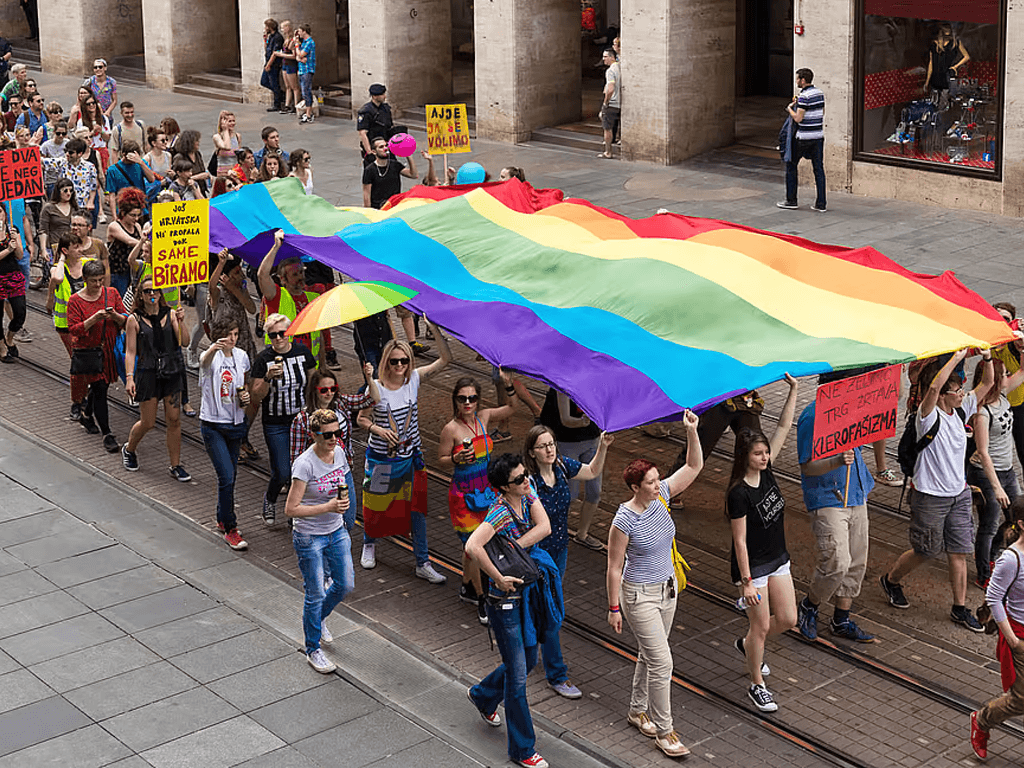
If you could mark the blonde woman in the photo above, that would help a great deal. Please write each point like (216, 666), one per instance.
(227, 142)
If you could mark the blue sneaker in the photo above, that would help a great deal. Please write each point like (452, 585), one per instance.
(807, 619)
(566, 689)
(850, 631)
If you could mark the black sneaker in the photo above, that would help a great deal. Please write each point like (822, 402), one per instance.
(762, 698)
(738, 645)
(894, 592)
(807, 619)
(110, 443)
(467, 593)
(269, 511)
(788, 206)
(332, 358)
(89, 424)
(178, 473)
(481, 612)
(130, 459)
(961, 614)
(848, 630)
(76, 412)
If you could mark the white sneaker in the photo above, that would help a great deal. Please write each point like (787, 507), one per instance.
(192, 359)
(23, 336)
(103, 218)
(369, 558)
(426, 571)
(325, 633)
(318, 661)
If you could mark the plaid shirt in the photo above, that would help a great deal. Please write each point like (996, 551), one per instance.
(308, 67)
(299, 437)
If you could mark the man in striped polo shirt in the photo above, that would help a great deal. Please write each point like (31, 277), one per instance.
(807, 110)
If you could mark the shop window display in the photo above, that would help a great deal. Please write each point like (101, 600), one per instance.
(930, 91)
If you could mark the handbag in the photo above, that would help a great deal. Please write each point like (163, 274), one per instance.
(169, 364)
(481, 499)
(87, 362)
(679, 565)
(985, 611)
(511, 559)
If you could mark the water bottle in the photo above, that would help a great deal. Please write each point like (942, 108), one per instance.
(742, 603)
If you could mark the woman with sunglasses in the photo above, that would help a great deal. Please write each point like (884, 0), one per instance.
(54, 148)
(157, 158)
(97, 125)
(464, 449)
(317, 504)
(279, 378)
(154, 336)
(394, 450)
(223, 369)
(299, 163)
(55, 218)
(322, 393)
(95, 317)
(516, 514)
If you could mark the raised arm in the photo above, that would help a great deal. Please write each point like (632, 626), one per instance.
(267, 285)
(786, 419)
(683, 477)
(596, 465)
(442, 349)
(931, 395)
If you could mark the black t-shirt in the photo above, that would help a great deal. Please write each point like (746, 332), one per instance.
(384, 183)
(552, 419)
(764, 508)
(376, 121)
(287, 395)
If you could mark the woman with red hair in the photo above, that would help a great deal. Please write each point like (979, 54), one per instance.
(123, 234)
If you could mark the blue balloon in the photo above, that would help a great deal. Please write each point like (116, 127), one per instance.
(470, 173)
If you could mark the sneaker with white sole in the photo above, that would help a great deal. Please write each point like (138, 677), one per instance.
(893, 592)
(493, 719)
(234, 540)
(192, 358)
(178, 473)
(672, 745)
(643, 723)
(325, 633)
(890, 478)
(269, 511)
(318, 661)
(427, 572)
(738, 645)
(566, 690)
(24, 335)
(368, 560)
(533, 761)
(130, 459)
(762, 698)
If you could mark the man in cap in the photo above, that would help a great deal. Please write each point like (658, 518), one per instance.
(374, 120)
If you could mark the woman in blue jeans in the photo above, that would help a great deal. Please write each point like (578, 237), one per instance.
(222, 378)
(317, 501)
(517, 514)
(991, 466)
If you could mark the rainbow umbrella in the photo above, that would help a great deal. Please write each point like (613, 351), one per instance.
(348, 302)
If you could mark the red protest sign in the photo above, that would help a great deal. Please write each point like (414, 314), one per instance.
(855, 411)
(21, 174)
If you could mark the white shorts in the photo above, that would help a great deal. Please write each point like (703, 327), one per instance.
(762, 581)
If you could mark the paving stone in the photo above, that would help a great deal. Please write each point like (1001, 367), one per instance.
(286, 757)
(225, 744)
(152, 610)
(195, 631)
(311, 712)
(89, 747)
(42, 525)
(60, 546)
(89, 665)
(38, 722)
(91, 565)
(7, 664)
(124, 586)
(23, 585)
(232, 655)
(358, 742)
(17, 502)
(170, 718)
(60, 638)
(269, 682)
(21, 687)
(10, 564)
(122, 693)
(429, 752)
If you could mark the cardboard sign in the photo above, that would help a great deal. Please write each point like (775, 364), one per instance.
(855, 411)
(447, 129)
(21, 174)
(181, 243)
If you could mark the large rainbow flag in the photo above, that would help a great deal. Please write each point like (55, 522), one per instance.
(634, 319)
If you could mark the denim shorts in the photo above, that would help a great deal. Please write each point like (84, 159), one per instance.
(940, 523)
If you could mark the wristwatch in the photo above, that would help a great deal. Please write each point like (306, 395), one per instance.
(744, 580)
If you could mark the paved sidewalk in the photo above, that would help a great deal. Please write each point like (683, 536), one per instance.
(130, 638)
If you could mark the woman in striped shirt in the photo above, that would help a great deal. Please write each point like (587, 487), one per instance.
(640, 538)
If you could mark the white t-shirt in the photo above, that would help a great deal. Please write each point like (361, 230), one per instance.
(939, 469)
(397, 410)
(322, 481)
(220, 383)
(1000, 434)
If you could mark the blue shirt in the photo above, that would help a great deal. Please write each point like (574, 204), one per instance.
(308, 67)
(32, 122)
(125, 174)
(556, 503)
(827, 490)
(261, 153)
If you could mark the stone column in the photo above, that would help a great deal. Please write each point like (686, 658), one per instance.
(185, 37)
(252, 14)
(72, 33)
(1011, 87)
(678, 77)
(527, 66)
(405, 45)
(827, 49)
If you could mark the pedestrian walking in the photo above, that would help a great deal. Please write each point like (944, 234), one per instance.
(807, 110)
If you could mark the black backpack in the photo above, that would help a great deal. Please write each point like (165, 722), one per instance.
(911, 445)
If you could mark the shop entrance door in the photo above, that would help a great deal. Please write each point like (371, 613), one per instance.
(764, 70)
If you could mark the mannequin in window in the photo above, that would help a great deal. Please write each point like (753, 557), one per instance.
(946, 55)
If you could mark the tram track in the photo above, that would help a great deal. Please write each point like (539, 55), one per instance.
(613, 645)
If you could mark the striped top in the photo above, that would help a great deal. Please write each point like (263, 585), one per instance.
(812, 101)
(397, 410)
(649, 549)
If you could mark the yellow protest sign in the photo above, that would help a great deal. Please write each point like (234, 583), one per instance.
(181, 243)
(447, 129)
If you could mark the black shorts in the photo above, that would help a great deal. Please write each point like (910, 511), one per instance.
(610, 118)
(148, 386)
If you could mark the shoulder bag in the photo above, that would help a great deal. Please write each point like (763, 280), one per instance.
(511, 559)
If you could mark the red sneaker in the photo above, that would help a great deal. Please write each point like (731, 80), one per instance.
(235, 540)
(534, 761)
(979, 738)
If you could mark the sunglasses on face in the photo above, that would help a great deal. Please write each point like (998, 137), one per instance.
(335, 435)
(518, 479)
(151, 291)
(276, 334)
(65, 133)
(98, 66)
(326, 390)
(394, 362)
(466, 399)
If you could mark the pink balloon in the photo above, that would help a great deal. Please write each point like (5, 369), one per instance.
(402, 145)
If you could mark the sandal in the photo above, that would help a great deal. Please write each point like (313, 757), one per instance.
(190, 412)
(589, 542)
(605, 156)
(247, 452)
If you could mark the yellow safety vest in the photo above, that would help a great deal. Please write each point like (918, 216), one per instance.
(286, 306)
(61, 297)
(171, 295)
